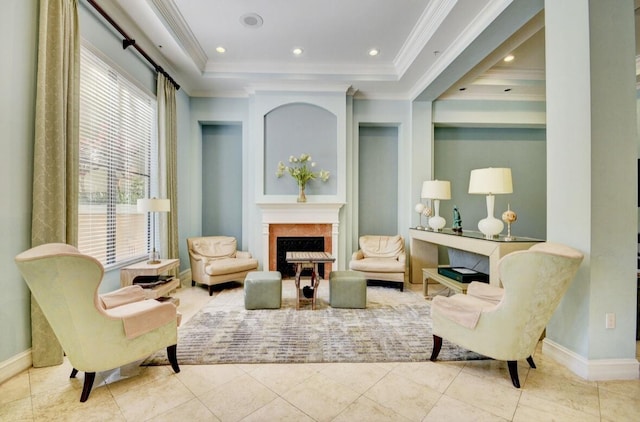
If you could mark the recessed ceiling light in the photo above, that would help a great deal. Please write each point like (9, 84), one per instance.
(509, 58)
(374, 52)
(297, 51)
(251, 20)
(221, 49)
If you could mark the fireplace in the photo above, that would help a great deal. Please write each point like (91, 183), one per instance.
(300, 220)
(297, 244)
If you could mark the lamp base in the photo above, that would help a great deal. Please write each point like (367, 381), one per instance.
(437, 223)
(491, 227)
(154, 257)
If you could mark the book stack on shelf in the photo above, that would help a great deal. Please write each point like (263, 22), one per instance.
(149, 281)
(463, 275)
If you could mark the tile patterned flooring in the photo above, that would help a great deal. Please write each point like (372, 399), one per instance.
(424, 391)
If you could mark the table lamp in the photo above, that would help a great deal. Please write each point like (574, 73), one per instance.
(436, 190)
(490, 181)
(153, 206)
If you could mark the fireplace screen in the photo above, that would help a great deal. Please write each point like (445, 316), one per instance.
(297, 244)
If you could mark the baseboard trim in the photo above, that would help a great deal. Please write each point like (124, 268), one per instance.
(185, 278)
(14, 365)
(592, 370)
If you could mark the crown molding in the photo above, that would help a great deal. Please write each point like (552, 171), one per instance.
(427, 25)
(176, 23)
(488, 14)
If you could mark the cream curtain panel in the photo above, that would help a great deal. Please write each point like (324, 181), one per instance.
(55, 160)
(168, 151)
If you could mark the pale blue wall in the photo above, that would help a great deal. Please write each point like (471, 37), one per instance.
(222, 181)
(460, 150)
(202, 112)
(378, 181)
(389, 113)
(18, 30)
(295, 129)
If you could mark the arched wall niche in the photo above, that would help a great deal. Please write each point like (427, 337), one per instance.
(299, 128)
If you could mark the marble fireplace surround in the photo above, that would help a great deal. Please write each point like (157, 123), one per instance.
(300, 220)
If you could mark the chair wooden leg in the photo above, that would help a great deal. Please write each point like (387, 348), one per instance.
(74, 372)
(532, 364)
(173, 359)
(437, 345)
(211, 290)
(193, 283)
(513, 371)
(88, 383)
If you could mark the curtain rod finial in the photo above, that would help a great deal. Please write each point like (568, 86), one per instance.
(126, 43)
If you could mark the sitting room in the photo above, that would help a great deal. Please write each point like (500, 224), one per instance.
(236, 211)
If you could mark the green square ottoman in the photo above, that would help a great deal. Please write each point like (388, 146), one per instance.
(347, 289)
(263, 290)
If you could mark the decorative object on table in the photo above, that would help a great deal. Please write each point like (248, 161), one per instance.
(436, 190)
(307, 291)
(509, 217)
(490, 181)
(457, 221)
(153, 206)
(422, 209)
(300, 169)
(419, 208)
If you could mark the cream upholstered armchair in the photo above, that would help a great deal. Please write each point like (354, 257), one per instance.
(381, 258)
(97, 332)
(215, 260)
(506, 323)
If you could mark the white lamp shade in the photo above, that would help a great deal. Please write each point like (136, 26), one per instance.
(153, 205)
(490, 181)
(436, 189)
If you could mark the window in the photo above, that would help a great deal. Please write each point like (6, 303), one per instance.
(117, 138)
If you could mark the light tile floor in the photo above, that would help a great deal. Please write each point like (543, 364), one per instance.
(424, 391)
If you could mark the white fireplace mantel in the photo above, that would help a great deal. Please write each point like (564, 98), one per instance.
(301, 213)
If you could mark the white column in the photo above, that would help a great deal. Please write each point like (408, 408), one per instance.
(592, 181)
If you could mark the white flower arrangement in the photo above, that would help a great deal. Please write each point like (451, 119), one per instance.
(300, 168)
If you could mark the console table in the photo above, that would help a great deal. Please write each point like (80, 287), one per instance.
(424, 249)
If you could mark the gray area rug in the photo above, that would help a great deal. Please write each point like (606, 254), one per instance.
(395, 327)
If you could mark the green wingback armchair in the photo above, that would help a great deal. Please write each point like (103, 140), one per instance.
(506, 323)
(97, 332)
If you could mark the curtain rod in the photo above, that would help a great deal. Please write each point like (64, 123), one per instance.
(128, 42)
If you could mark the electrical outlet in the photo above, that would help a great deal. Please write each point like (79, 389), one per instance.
(610, 320)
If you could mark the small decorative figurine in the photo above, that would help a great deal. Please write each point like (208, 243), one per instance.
(509, 217)
(457, 221)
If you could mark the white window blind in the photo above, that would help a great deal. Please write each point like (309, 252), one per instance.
(117, 136)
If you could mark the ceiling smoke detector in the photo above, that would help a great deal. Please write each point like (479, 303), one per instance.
(251, 20)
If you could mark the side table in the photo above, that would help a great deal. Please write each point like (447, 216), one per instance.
(299, 259)
(129, 273)
(432, 274)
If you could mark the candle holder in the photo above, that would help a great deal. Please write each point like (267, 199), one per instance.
(509, 217)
